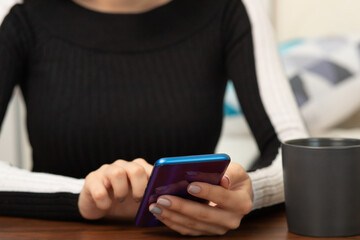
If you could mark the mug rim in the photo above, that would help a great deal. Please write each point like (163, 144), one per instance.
(353, 142)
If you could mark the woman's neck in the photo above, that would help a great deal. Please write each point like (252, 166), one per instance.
(121, 6)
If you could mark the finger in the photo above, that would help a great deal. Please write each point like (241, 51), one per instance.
(236, 201)
(148, 167)
(137, 177)
(97, 189)
(199, 211)
(225, 182)
(185, 224)
(117, 176)
(239, 179)
(237, 175)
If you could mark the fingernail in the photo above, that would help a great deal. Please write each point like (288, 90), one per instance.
(121, 200)
(194, 189)
(137, 200)
(163, 202)
(156, 210)
(228, 179)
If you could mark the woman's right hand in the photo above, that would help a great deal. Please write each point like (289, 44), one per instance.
(114, 190)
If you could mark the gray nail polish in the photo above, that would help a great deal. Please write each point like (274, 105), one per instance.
(194, 189)
(121, 200)
(156, 210)
(163, 202)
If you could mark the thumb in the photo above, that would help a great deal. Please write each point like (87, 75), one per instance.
(236, 175)
(225, 181)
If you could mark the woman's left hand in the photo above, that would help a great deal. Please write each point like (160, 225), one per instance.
(228, 204)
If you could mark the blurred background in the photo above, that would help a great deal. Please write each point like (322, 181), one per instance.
(319, 45)
(294, 19)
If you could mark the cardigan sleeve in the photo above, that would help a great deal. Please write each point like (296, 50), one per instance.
(264, 94)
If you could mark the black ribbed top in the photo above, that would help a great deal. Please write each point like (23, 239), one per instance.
(100, 87)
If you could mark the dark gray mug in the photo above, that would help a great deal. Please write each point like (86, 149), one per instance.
(322, 186)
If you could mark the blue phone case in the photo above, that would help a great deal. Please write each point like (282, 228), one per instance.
(171, 176)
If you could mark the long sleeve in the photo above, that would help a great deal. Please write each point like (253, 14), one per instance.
(264, 94)
(38, 195)
(24, 193)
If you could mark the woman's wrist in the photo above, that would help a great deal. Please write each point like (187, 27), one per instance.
(267, 185)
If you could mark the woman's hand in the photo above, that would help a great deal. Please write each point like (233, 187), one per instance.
(114, 190)
(228, 205)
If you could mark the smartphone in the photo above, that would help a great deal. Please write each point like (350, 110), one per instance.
(172, 175)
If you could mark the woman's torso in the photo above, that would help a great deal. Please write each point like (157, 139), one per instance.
(126, 93)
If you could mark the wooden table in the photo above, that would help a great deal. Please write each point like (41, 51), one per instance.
(265, 224)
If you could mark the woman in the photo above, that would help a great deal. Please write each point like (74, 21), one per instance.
(105, 80)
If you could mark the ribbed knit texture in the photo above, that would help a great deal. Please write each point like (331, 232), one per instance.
(90, 106)
(112, 107)
(58, 206)
(87, 107)
(100, 87)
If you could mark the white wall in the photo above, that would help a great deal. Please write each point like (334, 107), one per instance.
(8, 137)
(4, 7)
(306, 18)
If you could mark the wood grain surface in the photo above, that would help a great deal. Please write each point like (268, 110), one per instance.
(265, 224)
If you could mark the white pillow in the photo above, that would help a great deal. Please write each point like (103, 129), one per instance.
(324, 74)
